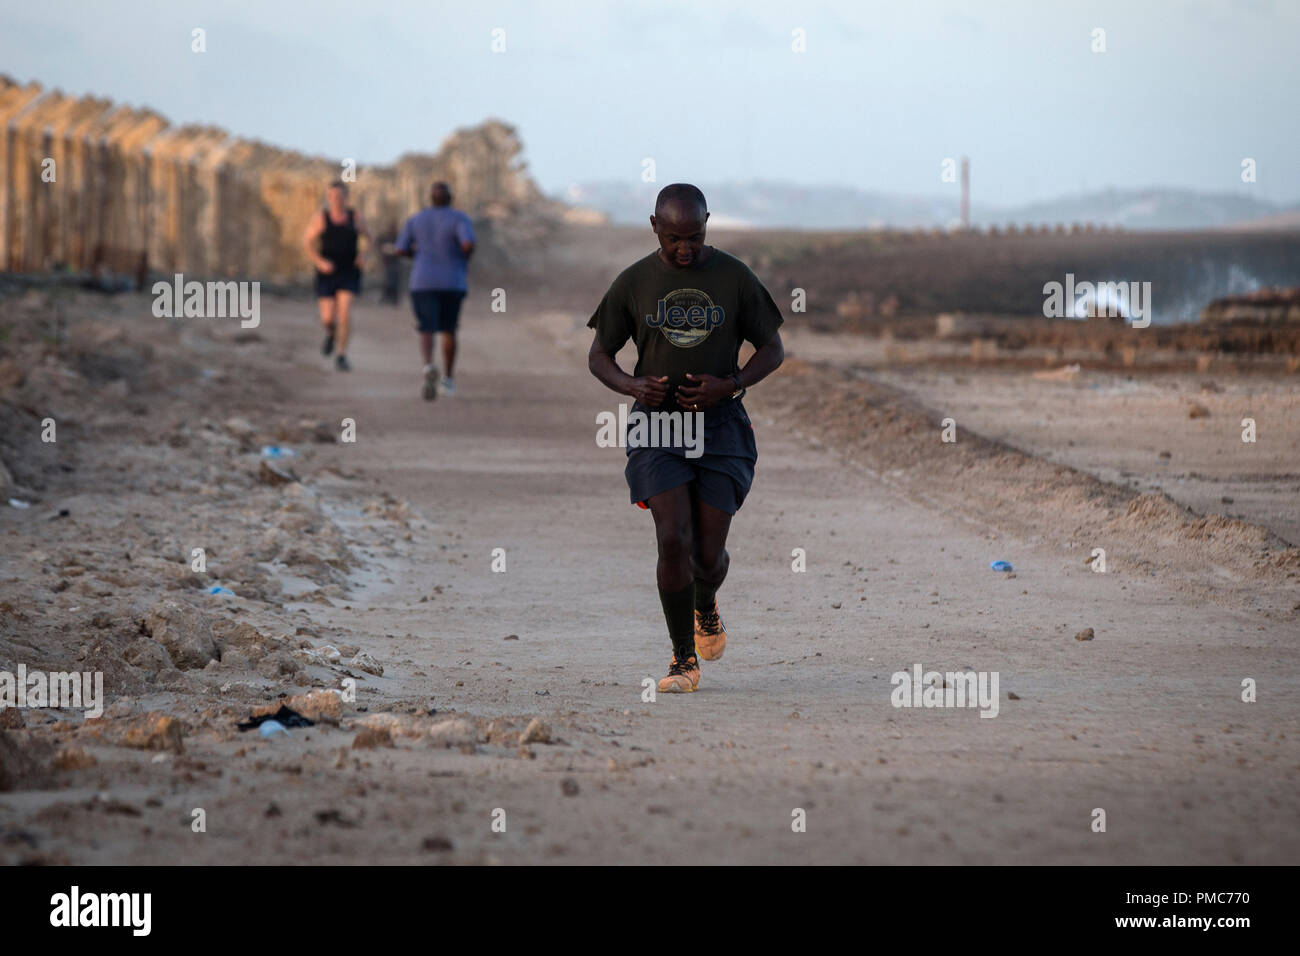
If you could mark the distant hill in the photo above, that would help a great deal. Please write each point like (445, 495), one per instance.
(772, 204)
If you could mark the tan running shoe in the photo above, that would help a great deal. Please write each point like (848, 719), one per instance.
(682, 677)
(710, 634)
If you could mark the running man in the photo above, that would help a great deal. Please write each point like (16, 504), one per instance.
(332, 242)
(688, 306)
(443, 241)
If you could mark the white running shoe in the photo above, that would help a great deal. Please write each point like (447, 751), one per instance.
(430, 390)
(448, 387)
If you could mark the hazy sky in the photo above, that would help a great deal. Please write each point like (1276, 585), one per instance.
(712, 90)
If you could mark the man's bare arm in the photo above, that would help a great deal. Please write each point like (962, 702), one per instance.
(363, 232)
(707, 390)
(647, 390)
(763, 362)
(315, 226)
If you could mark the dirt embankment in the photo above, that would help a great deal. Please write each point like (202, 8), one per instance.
(903, 443)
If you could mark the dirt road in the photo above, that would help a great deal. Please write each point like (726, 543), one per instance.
(1145, 721)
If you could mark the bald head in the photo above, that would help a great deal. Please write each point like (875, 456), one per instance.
(681, 195)
(679, 221)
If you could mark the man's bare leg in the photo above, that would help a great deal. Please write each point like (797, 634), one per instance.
(448, 353)
(674, 575)
(327, 321)
(344, 300)
(710, 562)
(674, 534)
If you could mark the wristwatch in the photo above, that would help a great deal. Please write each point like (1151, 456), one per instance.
(736, 378)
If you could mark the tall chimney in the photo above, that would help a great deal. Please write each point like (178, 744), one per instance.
(965, 193)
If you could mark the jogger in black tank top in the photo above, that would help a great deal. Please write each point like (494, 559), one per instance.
(332, 241)
(338, 243)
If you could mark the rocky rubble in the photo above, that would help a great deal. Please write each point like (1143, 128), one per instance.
(156, 543)
(151, 495)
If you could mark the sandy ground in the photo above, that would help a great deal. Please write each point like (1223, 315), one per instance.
(385, 547)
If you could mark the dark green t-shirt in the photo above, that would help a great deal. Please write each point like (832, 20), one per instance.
(686, 320)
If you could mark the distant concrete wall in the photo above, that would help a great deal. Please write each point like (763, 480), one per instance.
(1264, 306)
(134, 194)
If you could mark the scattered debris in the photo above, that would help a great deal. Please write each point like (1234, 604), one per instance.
(322, 706)
(74, 758)
(335, 817)
(1066, 373)
(276, 475)
(536, 732)
(364, 662)
(269, 728)
(285, 716)
(24, 761)
(372, 737)
(183, 631)
(155, 731)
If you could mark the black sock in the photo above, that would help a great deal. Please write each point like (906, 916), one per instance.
(706, 595)
(679, 614)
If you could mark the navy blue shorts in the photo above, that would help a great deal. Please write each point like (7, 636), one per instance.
(437, 310)
(347, 281)
(721, 475)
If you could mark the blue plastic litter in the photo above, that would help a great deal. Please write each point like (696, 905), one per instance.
(276, 451)
(218, 589)
(270, 728)
(1001, 566)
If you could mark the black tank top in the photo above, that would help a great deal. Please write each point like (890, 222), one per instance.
(338, 243)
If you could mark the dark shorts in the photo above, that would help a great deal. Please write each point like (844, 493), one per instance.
(436, 310)
(721, 475)
(347, 281)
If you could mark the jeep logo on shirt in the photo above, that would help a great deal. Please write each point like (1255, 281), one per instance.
(686, 317)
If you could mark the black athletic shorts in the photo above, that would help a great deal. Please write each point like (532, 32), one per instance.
(349, 280)
(722, 474)
(436, 310)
